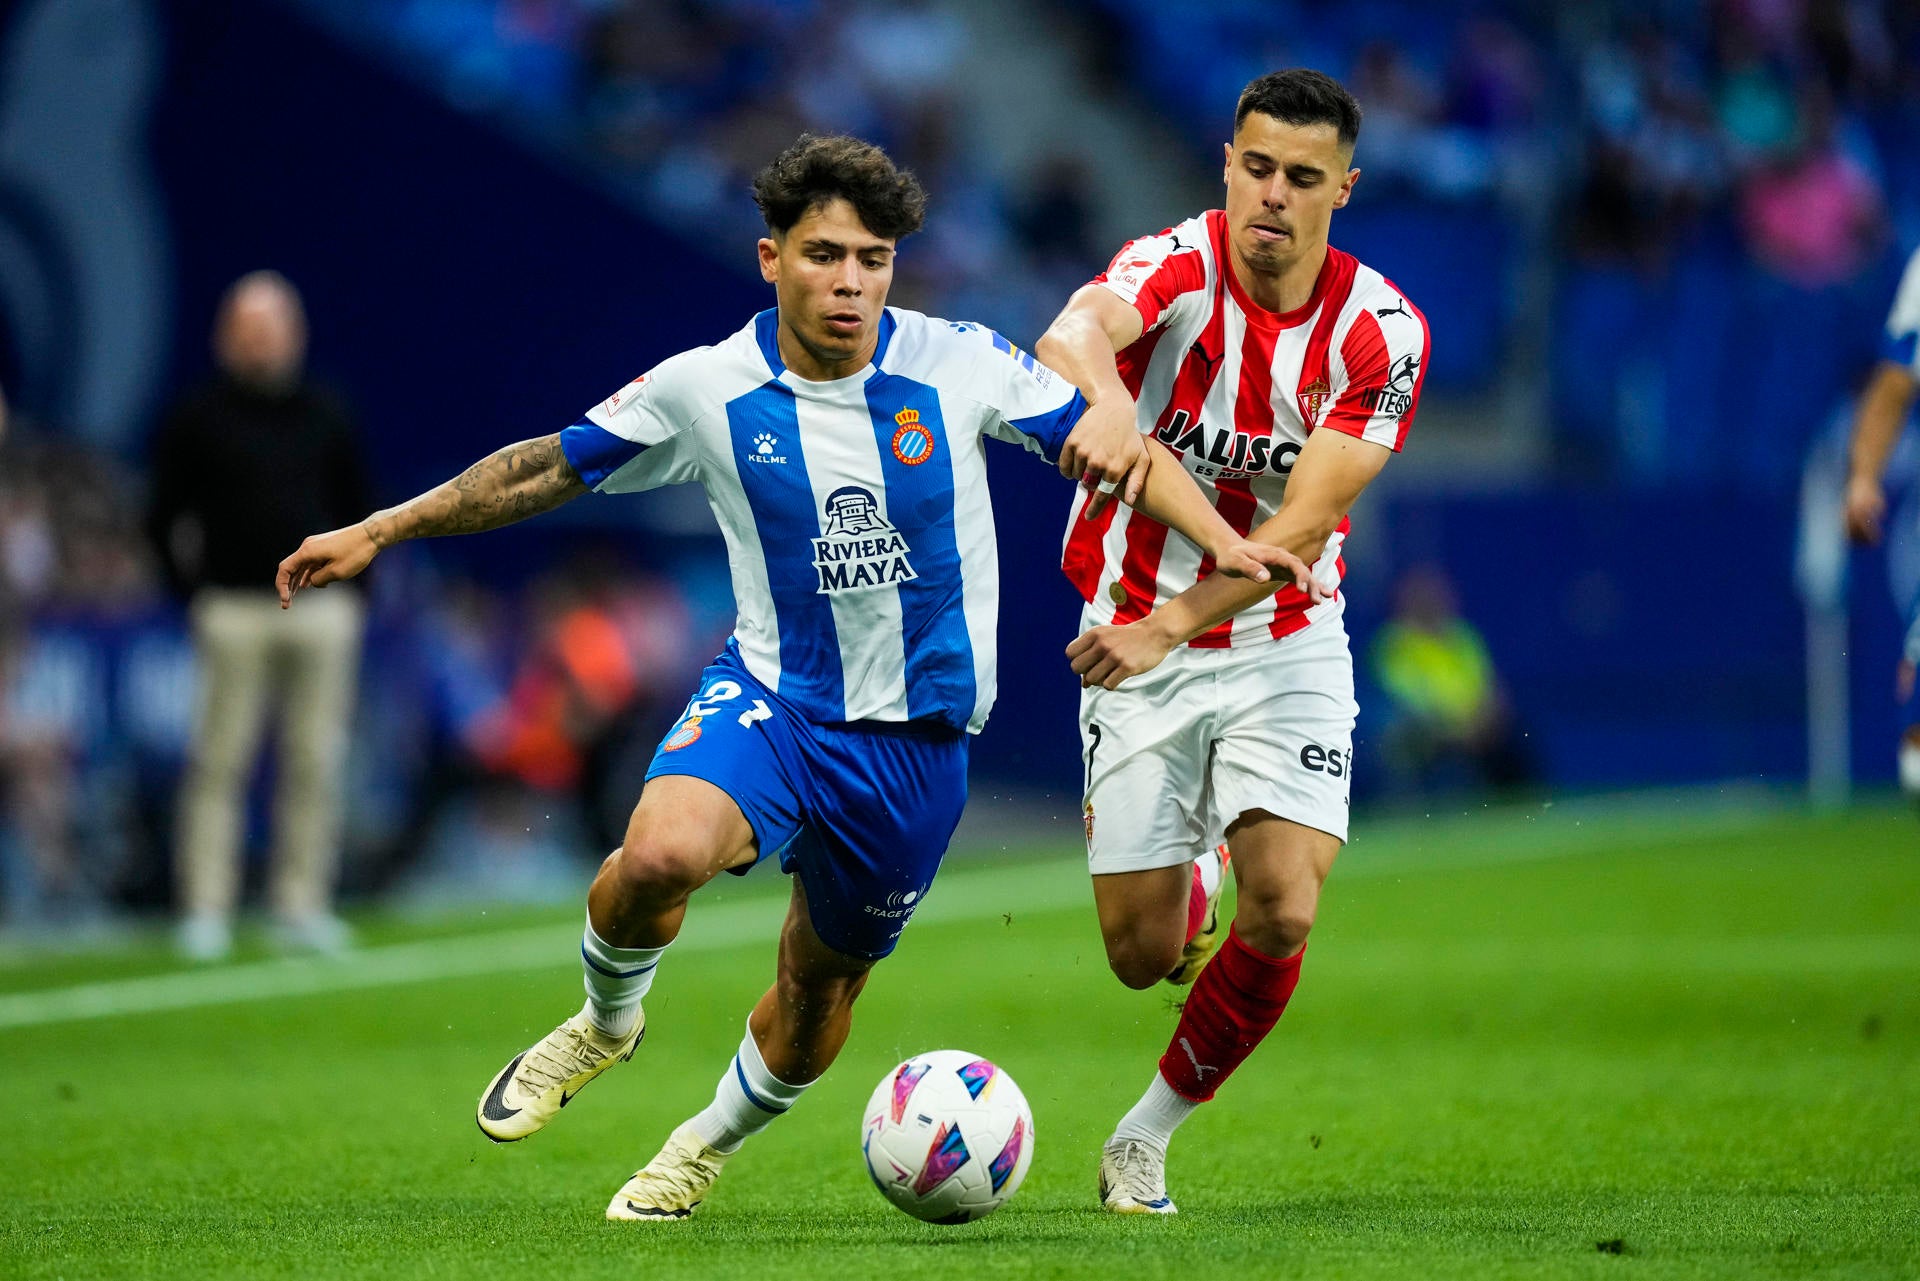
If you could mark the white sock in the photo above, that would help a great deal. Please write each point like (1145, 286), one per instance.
(746, 1101)
(616, 979)
(1156, 1116)
(1210, 872)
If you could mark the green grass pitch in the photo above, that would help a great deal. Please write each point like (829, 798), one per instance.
(1593, 1042)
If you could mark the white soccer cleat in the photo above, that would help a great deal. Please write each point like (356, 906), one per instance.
(204, 937)
(673, 1184)
(321, 933)
(1910, 765)
(1201, 947)
(1133, 1179)
(532, 1089)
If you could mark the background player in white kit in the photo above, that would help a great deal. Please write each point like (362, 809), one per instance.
(1284, 374)
(841, 447)
(1884, 409)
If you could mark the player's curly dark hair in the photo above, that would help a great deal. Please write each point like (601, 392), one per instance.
(1299, 96)
(814, 170)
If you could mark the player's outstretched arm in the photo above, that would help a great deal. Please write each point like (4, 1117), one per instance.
(1876, 428)
(1080, 345)
(1328, 476)
(1171, 497)
(512, 484)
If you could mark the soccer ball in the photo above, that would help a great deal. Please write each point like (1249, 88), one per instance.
(947, 1137)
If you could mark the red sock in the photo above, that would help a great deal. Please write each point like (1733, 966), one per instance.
(1196, 905)
(1235, 1003)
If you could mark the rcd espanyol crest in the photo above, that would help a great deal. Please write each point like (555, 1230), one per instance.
(857, 548)
(912, 442)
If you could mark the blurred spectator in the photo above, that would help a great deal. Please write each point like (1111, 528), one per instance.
(534, 746)
(1694, 156)
(242, 470)
(1884, 410)
(605, 646)
(84, 676)
(1449, 724)
(1812, 215)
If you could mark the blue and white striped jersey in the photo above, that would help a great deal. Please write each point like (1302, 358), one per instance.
(855, 511)
(1901, 342)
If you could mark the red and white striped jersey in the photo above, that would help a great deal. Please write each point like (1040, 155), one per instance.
(1233, 390)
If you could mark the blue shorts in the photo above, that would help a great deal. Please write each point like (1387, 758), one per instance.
(861, 812)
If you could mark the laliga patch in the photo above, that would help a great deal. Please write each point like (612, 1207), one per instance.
(1131, 276)
(686, 735)
(912, 443)
(613, 402)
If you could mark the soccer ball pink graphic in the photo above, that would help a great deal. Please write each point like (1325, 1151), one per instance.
(947, 1137)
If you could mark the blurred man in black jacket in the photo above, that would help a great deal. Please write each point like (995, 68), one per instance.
(242, 469)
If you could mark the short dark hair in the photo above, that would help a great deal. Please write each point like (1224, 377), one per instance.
(814, 170)
(1299, 96)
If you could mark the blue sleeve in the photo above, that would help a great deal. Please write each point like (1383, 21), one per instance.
(1902, 349)
(1036, 406)
(1049, 429)
(597, 453)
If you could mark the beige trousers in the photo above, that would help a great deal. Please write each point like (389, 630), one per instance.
(254, 657)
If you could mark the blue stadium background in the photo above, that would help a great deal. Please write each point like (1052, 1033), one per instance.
(1656, 242)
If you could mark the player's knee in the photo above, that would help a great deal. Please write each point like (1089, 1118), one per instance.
(1140, 963)
(1274, 925)
(662, 865)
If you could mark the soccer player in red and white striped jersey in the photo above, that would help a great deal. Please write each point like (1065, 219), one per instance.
(1283, 374)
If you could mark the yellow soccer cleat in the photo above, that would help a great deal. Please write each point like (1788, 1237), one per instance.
(533, 1088)
(673, 1184)
(1133, 1179)
(1201, 947)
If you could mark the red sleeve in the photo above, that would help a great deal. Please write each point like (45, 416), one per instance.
(1153, 271)
(1385, 363)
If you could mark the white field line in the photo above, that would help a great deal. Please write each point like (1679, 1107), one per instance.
(959, 896)
(963, 893)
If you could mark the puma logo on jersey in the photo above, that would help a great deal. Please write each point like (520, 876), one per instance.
(1398, 309)
(1209, 364)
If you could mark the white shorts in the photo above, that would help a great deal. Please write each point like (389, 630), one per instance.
(1177, 754)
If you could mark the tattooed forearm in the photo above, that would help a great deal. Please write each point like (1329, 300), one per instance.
(517, 482)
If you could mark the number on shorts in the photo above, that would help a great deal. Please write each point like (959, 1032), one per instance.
(709, 702)
(1093, 737)
(758, 712)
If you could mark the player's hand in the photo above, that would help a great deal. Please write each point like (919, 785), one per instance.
(1105, 656)
(1105, 451)
(325, 558)
(1903, 680)
(1865, 505)
(1245, 559)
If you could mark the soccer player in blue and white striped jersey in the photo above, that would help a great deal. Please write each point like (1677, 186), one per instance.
(840, 443)
(1886, 406)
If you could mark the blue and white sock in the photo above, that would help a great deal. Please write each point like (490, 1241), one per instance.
(746, 1101)
(616, 979)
